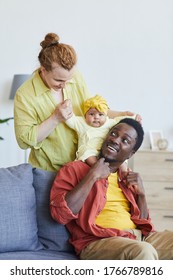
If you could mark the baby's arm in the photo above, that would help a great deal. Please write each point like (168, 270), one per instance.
(123, 114)
(75, 123)
(113, 114)
(72, 120)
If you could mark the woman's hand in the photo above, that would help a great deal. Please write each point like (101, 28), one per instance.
(63, 111)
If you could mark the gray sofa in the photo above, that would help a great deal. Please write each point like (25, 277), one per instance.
(27, 231)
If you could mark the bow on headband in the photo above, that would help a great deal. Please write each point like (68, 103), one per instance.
(97, 102)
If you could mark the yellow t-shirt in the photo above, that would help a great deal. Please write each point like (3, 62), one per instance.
(33, 104)
(116, 213)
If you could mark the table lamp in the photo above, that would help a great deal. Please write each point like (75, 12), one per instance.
(18, 80)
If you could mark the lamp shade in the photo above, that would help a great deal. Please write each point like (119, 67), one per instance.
(18, 80)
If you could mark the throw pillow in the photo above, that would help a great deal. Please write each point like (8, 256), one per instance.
(18, 224)
(52, 235)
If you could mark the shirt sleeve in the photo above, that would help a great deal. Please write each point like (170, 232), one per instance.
(64, 182)
(75, 123)
(25, 121)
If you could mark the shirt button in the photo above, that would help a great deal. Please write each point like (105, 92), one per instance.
(52, 202)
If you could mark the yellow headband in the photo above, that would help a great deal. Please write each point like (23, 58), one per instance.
(97, 102)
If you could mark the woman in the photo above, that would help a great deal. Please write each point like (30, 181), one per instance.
(40, 106)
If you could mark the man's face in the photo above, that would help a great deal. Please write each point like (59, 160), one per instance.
(119, 143)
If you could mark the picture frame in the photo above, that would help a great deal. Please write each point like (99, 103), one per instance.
(155, 135)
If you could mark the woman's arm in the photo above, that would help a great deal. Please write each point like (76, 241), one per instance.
(62, 112)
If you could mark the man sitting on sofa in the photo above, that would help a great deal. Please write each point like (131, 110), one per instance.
(105, 211)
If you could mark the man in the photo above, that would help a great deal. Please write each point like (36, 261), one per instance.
(105, 211)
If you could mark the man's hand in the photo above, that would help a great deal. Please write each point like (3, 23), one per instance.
(100, 169)
(134, 182)
(77, 196)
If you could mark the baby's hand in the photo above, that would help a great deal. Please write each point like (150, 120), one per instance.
(67, 103)
(138, 118)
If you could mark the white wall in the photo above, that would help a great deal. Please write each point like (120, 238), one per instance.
(125, 52)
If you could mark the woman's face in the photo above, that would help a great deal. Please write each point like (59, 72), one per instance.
(57, 78)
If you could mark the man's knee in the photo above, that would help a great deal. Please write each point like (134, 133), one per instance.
(143, 251)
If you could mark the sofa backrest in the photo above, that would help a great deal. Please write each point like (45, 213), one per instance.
(25, 220)
(18, 221)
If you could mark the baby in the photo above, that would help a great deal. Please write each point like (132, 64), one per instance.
(92, 129)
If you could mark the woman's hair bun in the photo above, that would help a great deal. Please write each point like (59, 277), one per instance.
(49, 39)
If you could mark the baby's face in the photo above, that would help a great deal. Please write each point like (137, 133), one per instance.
(95, 118)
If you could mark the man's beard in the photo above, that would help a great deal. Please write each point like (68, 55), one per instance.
(109, 160)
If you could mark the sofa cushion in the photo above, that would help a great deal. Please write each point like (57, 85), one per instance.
(38, 255)
(52, 235)
(18, 224)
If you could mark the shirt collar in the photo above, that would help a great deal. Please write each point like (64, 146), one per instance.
(120, 176)
(40, 87)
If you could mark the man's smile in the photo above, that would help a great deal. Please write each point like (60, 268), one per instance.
(113, 148)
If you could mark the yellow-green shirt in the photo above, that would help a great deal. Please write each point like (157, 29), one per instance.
(34, 104)
(116, 213)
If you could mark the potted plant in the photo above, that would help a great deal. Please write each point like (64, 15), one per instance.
(4, 121)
